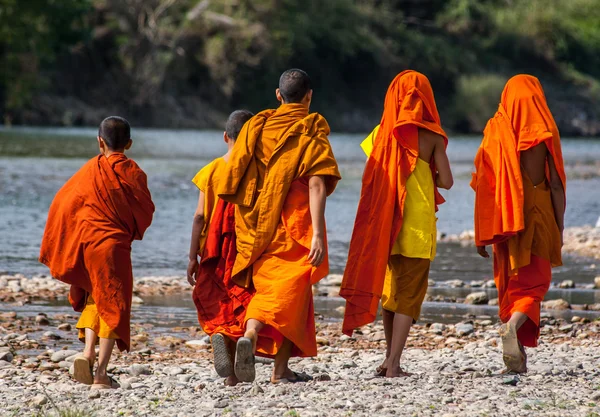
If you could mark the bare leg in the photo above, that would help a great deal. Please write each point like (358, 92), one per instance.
(402, 325)
(106, 348)
(518, 319)
(513, 353)
(253, 327)
(281, 369)
(89, 352)
(388, 329)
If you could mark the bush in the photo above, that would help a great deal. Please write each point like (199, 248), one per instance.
(476, 100)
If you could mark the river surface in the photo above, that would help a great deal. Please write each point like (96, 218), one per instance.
(36, 162)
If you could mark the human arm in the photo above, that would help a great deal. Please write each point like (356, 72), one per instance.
(482, 252)
(557, 193)
(317, 198)
(197, 227)
(444, 177)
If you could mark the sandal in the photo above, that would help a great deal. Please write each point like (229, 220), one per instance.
(298, 377)
(244, 360)
(380, 371)
(113, 385)
(512, 350)
(222, 359)
(83, 370)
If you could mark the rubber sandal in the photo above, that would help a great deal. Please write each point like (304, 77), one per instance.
(298, 377)
(222, 359)
(82, 370)
(244, 360)
(511, 350)
(113, 385)
(380, 371)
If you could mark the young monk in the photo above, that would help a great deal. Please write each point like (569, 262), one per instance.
(520, 188)
(219, 301)
(87, 243)
(279, 174)
(394, 237)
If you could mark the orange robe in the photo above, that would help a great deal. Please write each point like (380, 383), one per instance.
(511, 212)
(220, 302)
(409, 105)
(267, 176)
(92, 221)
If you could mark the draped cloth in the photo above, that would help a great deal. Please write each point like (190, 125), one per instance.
(511, 212)
(220, 302)
(409, 106)
(92, 221)
(267, 177)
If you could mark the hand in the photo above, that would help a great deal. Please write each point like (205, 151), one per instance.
(482, 252)
(192, 270)
(317, 251)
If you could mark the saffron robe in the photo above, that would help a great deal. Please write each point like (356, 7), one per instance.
(511, 212)
(91, 224)
(267, 176)
(409, 105)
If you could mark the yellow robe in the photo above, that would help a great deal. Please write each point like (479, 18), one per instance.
(275, 154)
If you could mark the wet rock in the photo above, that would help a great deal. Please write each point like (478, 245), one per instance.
(559, 304)
(65, 327)
(566, 284)
(42, 320)
(138, 369)
(6, 356)
(477, 298)
(51, 335)
(61, 355)
(464, 329)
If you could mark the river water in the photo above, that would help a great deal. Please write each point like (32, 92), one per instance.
(36, 162)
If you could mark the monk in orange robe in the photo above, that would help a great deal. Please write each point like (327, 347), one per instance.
(220, 302)
(91, 224)
(279, 174)
(520, 188)
(394, 235)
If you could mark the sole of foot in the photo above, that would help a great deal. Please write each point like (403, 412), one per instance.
(222, 359)
(511, 351)
(244, 360)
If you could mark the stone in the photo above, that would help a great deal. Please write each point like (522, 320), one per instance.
(567, 284)
(126, 385)
(221, 404)
(255, 390)
(558, 304)
(341, 309)
(39, 400)
(51, 335)
(168, 341)
(566, 328)
(185, 378)
(62, 355)
(42, 320)
(139, 369)
(197, 344)
(431, 283)
(477, 298)
(65, 327)
(349, 364)
(493, 302)
(597, 282)
(437, 328)
(575, 319)
(377, 336)
(464, 329)
(322, 377)
(137, 300)
(94, 394)
(455, 283)
(332, 280)
(174, 371)
(6, 356)
(323, 341)
(10, 315)
(511, 380)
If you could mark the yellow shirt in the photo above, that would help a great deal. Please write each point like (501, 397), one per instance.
(418, 236)
(206, 180)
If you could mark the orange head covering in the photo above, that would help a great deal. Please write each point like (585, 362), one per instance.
(523, 120)
(409, 105)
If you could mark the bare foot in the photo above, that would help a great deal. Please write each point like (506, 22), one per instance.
(381, 370)
(395, 372)
(231, 381)
(289, 376)
(251, 334)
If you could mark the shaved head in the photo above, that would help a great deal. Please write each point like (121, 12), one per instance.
(115, 131)
(235, 122)
(294, 84)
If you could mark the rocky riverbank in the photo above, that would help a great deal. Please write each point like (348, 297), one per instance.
(456, 370)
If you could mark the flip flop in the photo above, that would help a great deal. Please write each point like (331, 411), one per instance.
(298, 377)
(113, 385)
(244, 360)
(222, 359)
(82, 370)
(380, 371)
(512, 355)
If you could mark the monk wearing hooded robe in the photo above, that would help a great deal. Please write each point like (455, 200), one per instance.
(220, 302)
(279, 174)
(520, 188)
(394, 237)
(91, 224)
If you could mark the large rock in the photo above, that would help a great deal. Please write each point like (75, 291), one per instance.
(477, 298)
(61, 355)
(559, 304)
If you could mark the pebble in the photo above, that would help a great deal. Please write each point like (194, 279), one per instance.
(65, 327)
(6, 356)
(477, 298)
(51, 335)
(61, 355)
(558, 304)
(437, 328)
(42, 320)
(138, 369)
(39, 400)
(137, 300)
(197, 344)
(94, 394)
(255, 390)
(511, 380)
(174, 371)
(567, 284)
(125, 385)
(464, 329)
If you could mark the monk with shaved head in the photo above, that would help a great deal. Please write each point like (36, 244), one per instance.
(279, 174)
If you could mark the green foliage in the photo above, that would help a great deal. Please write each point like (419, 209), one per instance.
(476, 100)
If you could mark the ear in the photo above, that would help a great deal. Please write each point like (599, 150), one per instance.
(129, 144)
(101, 144)
(278, 95)
(309, 95)
(225, 137)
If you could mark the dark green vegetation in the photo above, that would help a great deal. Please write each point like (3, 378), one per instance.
(186, 63)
